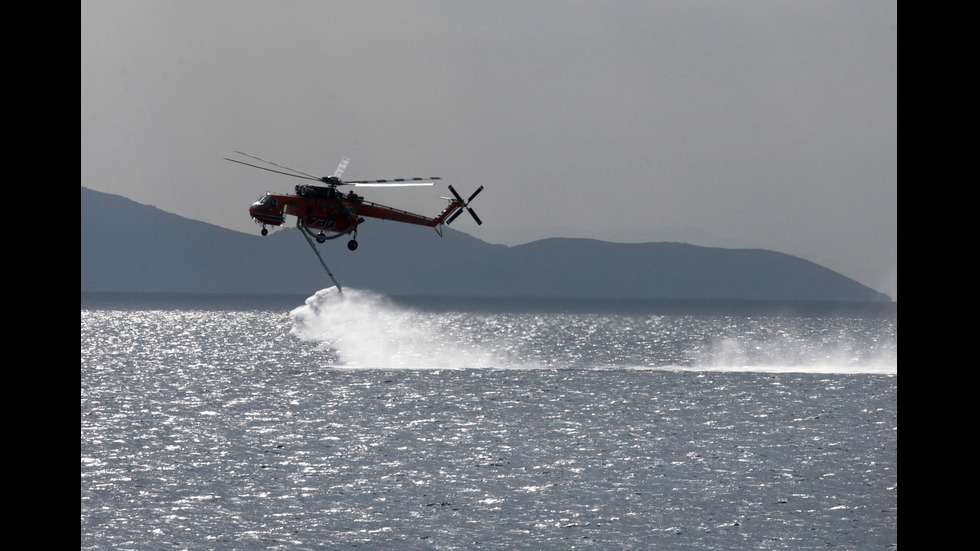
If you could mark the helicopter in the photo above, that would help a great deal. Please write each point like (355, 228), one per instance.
(325, 212)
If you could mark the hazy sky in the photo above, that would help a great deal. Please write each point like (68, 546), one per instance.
(769, 124)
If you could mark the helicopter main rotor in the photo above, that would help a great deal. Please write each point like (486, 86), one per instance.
(335, 180)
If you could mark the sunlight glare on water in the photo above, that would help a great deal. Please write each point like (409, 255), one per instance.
(215, 424)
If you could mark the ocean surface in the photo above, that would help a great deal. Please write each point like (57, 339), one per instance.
(361, 421)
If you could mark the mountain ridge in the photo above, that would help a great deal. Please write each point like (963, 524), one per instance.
(130, 247)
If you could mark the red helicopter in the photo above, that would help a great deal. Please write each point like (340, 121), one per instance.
(324, 212)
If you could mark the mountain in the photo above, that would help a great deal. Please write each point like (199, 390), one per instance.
(129, 247)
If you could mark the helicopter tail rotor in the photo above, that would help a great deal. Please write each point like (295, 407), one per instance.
(465, 205)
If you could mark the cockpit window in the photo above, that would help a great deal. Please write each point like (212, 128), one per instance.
(266, 201)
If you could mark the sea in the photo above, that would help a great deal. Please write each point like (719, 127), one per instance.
(356, 420)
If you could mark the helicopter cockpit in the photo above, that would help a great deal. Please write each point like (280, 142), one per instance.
(266, 210)
(266, 202)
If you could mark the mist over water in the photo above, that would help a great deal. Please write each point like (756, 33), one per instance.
(362, 329)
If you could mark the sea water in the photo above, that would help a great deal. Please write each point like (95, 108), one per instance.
(355, 421)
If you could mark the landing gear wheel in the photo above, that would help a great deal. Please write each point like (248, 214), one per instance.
(264, 232)
(321, 237)
(352, 245)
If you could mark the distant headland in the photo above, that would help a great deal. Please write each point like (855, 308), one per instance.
(129, 247)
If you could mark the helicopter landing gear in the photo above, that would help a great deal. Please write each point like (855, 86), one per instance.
(264, 231)
(352, 245)
(321, 237)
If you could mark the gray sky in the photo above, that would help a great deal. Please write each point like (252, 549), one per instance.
(769, 124)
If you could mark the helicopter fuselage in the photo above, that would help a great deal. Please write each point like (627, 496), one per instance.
(323, 208)
(326, 209)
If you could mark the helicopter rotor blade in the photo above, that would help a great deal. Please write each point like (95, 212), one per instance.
(418, 184)
(454, 216)
(394, 182)
(471, 211)
(280, 166)
(456, 195)
(305, 177)
(340, 168)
